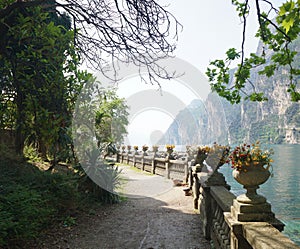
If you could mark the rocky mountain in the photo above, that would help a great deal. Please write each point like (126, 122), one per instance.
(182, 130)
(216, 120)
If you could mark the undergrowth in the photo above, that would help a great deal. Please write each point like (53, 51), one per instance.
(31, 200)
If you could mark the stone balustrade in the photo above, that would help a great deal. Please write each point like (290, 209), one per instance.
(151, 162)
(218, 208)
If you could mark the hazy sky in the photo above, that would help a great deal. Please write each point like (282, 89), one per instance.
(210, 28)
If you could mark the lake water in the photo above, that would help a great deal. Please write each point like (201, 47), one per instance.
(282, 190)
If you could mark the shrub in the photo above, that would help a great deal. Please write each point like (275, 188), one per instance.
(31, 200)
(25, 212)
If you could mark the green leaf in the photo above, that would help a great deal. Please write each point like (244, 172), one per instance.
(258, 97)
(268, 70)
(232, 54)
(287, 24)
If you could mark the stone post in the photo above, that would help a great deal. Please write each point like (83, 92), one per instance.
(195, 187)
(186, 172)
(127, 159)
(205, 211)
(153, 163)
(122, 157)
(143, 160)
(167, 163)
(205, 198)
(237, 240)
(134, 160)
(191, 179)
(249, 208)
(122, 153)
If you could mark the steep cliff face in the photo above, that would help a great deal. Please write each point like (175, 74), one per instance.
(273, 121)
(216, 120)
(188, 126)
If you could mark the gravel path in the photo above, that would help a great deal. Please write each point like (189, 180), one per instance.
(155, 215)
(138, 184)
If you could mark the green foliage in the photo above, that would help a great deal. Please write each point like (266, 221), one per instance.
(31, 153)
(69, 221)
(101, 114)
(111, 118)
(277, 36)
(40, 80)
(32, 200)
(265, 131)
(101, 171)
(241, 7)
(25, 210)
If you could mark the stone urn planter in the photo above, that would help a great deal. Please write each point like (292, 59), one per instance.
(217, 156)
(155, 148)
(201, 155)
(170, 149)
(251, 166)
(135, 150)
(145, 148)
(251, 179)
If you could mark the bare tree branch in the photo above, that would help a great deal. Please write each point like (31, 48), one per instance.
(131, 31)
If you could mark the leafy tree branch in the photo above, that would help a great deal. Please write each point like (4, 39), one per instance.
(277, 35)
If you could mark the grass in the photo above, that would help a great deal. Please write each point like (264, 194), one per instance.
(135, 169)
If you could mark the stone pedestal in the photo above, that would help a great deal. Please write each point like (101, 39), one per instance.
(251, 212)
(241, 233)
(216, 179)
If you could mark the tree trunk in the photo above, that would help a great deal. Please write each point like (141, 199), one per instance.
(19, 135)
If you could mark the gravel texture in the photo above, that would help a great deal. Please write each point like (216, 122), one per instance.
(155, 214)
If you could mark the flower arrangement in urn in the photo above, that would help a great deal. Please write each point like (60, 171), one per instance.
(170, 148)
(202, 154)
(145, 148)
(246, 157)
(251, 166)
(155, 148)
(217, 156)
(136, 148)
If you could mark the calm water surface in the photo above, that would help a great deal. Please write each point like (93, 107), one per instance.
(282, 190)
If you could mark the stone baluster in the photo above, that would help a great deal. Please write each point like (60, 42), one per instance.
(143, 160)
(186, 172)
(134, 159)
(127, 159)
(153, 164)
(205, 199)
(167, 163)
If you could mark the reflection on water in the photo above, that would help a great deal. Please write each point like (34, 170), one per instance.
(282, 190)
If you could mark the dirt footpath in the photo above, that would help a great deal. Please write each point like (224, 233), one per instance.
(155, 215)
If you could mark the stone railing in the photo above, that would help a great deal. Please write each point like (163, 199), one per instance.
(224, 220)
(222, 217)
(151, 162)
